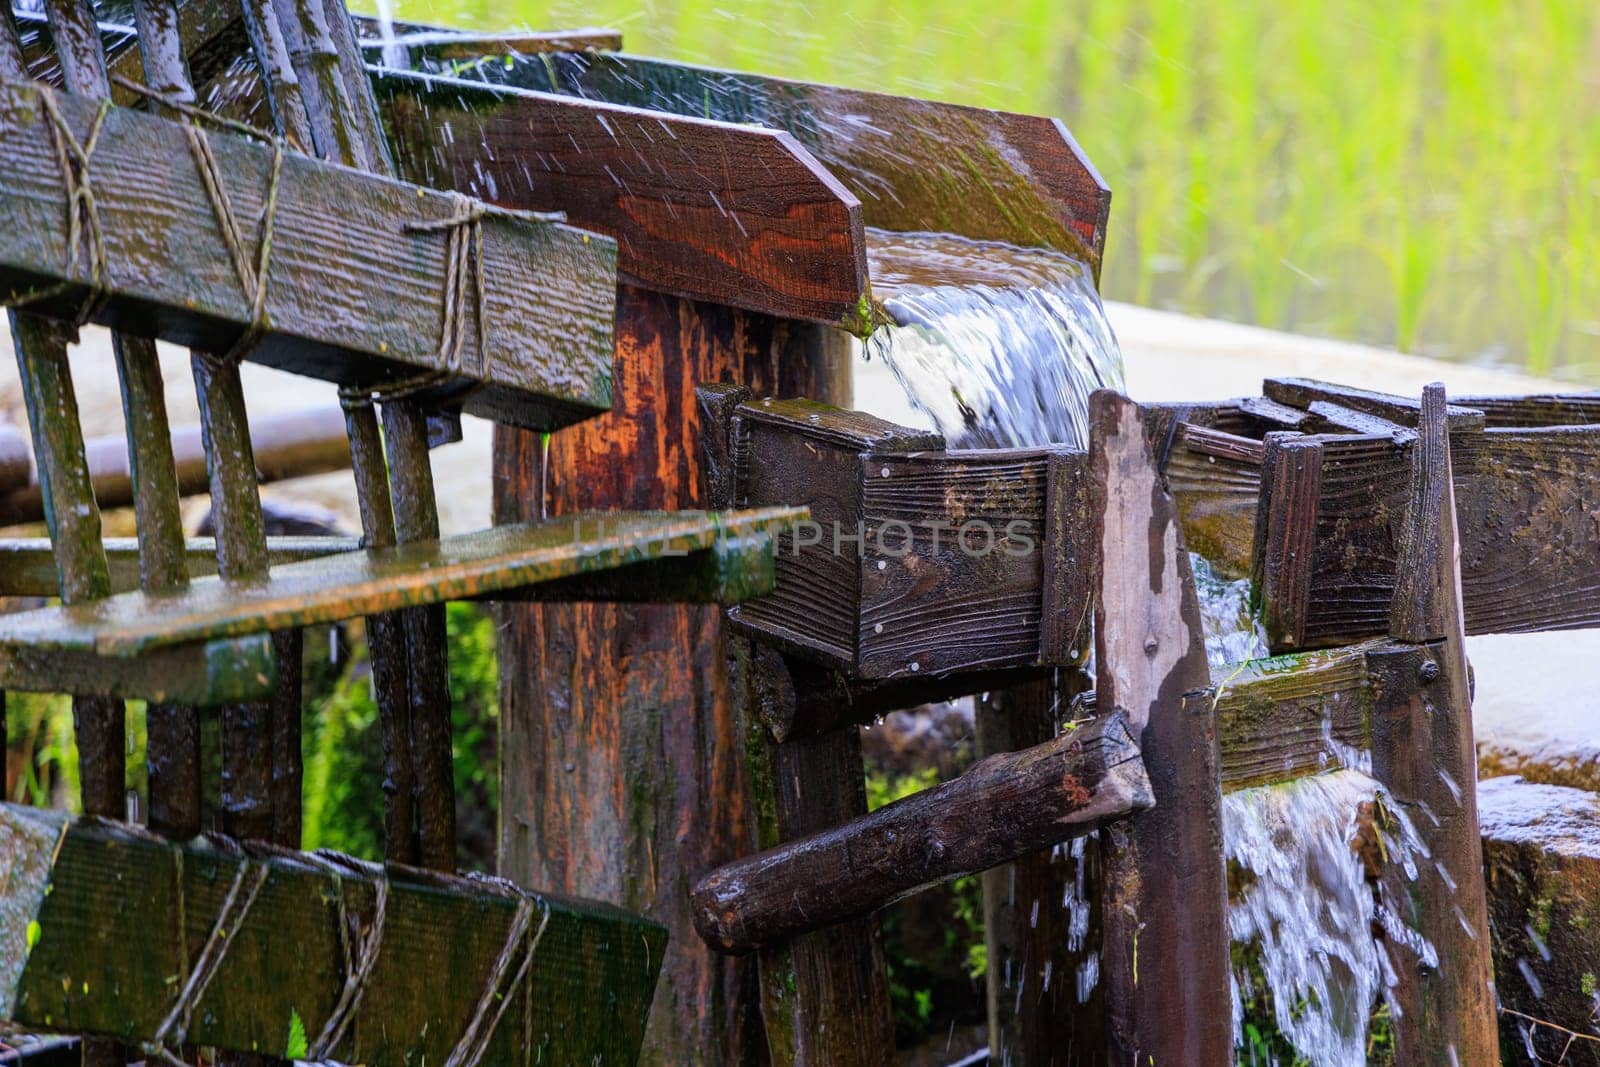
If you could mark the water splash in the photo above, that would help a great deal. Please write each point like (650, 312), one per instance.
(993, 346)
(1303, 903)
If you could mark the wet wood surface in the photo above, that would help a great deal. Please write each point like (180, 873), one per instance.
(1165, 961)
(824, 992)
(1423, 754)
(631, 807)
(358, 302)
(701, 209)
(333, 588)
(118, 912)
(1007, 805)
(204, 673)
(917, 165)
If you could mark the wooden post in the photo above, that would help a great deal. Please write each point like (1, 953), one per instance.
(1040, 1009)
(624, 776)
(1422, 752)
(1165, 956)
(824, 994)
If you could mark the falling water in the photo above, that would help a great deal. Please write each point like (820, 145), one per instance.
(992, 346)
(1304, 906)
(394, 55)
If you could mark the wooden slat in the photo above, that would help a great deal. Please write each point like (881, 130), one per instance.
(355, 302)
(1286, 528)
(103, 925)
(27, 565)
(917, 165)
(334, 588)
(707, 210)
(1303, 392)
(444, 45)
(1215, 480)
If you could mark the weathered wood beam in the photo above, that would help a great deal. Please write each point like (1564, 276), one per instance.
(1005, 806)
(1423, 754)
(205, 673)
(335, 588)
(708, 210)
(382, 965)
(917, 165)
(1165, 960)
(360, 302)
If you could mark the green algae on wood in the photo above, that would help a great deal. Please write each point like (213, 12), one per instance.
(334, 588)
(125, 912)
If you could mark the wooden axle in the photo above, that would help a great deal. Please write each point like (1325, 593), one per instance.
(287, 445)
(108, 930)
(360, 302)
(1005, 806)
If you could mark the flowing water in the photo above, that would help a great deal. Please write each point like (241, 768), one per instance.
(996, 348)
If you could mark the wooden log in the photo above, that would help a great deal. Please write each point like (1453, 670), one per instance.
(918, 561)
(382, 965)
(388, 278)
(1005, 806)
(1165, 957)
(917, 165)
(632, 808)
(706, 210)
(1423, 754)
(825, 993)
(285, 445)
(334, 588)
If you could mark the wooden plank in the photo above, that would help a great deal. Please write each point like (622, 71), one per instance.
(1536, 409)
(1285, 542)
(917, 165)
(355, 303)
(1336, 418)
(1005, 806)
(952, 573)
(632, 808)
(1165, 962)
(1215, 480)
(1303, 392)
(701, 209)
(430, 967)
(1423, 754)
(334, 588)
(204, 674)
(1290, 716)
(1527, 500)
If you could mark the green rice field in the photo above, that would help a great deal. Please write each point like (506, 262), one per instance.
(1422, 175)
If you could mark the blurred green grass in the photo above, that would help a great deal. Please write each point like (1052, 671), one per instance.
(1420, 175)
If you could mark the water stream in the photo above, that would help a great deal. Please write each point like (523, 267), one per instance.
(995, 347)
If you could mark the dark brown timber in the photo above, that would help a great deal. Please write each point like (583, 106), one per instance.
(824, 993)
(1286, 529)
(917, 165)
(1422, 752)
(708, 210)
(632, 807)
(1005, 806)
(1165, 959)
(277, 934)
